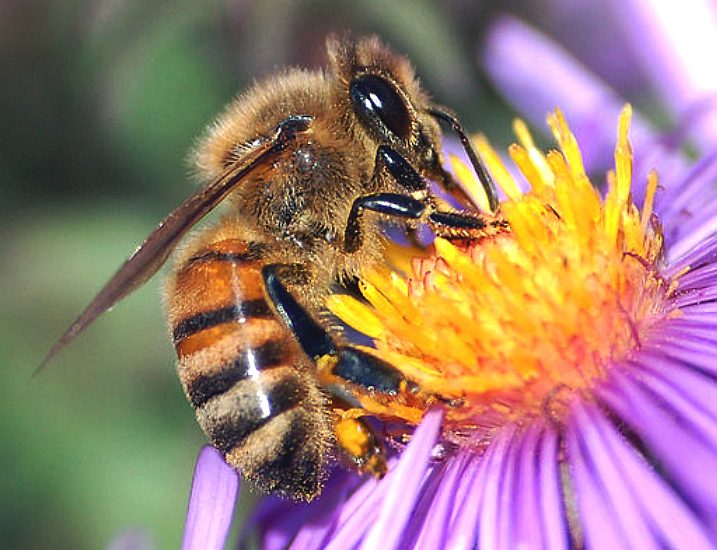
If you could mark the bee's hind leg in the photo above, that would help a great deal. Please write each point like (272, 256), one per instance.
(343, 364)
(357, 443)
(351, 364)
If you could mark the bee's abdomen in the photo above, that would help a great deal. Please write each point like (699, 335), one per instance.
(254, 392)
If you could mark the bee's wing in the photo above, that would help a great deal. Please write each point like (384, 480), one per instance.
(155, 250)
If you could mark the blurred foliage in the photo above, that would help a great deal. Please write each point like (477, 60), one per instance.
(100, 101)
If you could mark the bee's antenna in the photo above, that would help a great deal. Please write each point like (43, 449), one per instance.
(481, 171)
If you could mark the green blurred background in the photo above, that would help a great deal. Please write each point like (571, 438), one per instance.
(99, 102)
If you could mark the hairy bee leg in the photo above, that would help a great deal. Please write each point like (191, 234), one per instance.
(445, 224)
(399, 168)
(402, 171)
(348, 363)
(356, 440)
(391, 204)
(359, 446)
(465, 225)
(449, 224)
(456, 220)
(405, 175)
(312, 337)
(368, 371)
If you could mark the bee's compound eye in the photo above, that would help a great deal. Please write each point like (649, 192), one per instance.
(373, 97)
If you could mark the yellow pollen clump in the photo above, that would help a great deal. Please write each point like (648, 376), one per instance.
(499, 327)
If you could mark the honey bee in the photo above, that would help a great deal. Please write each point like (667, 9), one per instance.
(311, 164)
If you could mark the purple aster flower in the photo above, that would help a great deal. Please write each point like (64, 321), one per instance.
(613, 450)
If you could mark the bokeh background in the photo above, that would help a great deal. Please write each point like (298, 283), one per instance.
(99, 102)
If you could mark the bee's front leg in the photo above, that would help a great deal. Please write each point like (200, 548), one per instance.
(449, 224)
(465, 225)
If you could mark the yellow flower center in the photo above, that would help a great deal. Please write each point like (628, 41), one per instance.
(498, 328)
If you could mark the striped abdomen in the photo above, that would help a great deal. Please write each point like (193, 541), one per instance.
(254, 391)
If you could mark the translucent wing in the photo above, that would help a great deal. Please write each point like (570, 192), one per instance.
(158, 246)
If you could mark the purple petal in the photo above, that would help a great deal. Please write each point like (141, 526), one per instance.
(319, 520)
(499, 507)
(693, 232)
(134, 539)
(465, 486)
(421, 512)
(211, 503)
(524, 515)
(404, 487)
(703, 277)
(517, 58)
(697, 179)
(686, 390)
(663, 512)
(272, 520)
(359, 512)
(536, 75)
(696, 298)
(704, 311)
(551, 496)
(610, 514)
(439, 505)
(673, 40)
(697, 354)
(692, 329)
(694, 412)
(698, 319)
(534, 514)
(687, 206)
(705, 254)
(490, 528)
(590, 32)
(683, 454)
(464, 526)
(508, 519)
(284, 523)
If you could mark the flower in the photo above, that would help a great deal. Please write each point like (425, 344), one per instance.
(211, 502)
(567, 370)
